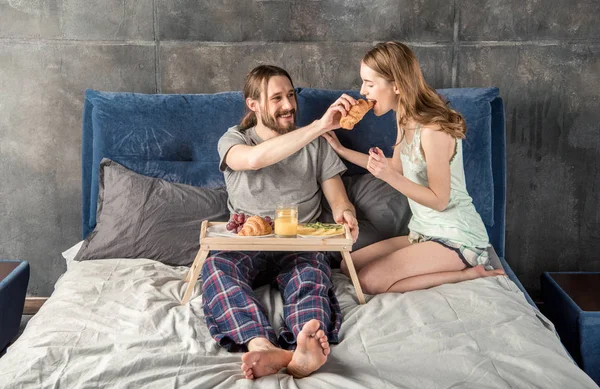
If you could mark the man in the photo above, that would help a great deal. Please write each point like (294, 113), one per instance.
(267, 161)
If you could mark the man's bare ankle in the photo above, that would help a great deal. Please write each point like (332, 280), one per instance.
(260, 343)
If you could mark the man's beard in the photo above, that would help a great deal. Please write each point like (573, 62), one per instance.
(270, 121)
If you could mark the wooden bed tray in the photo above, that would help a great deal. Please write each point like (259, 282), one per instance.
(208, 243)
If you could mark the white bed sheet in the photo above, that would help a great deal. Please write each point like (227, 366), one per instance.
(118, 323)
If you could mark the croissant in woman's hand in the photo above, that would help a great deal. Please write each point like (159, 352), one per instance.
(255, 226)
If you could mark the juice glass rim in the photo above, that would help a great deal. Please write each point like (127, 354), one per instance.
(287, 206)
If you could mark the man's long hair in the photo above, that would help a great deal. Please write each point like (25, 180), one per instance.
(417, 101)
(255, 88)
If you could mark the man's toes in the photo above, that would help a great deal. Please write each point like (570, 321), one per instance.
(250, 358)
(324, 342)
(319, 334)
(311, 327)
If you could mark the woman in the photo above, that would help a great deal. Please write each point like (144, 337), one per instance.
(447, 241)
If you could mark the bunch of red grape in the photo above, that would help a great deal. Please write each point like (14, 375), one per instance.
(237, 220)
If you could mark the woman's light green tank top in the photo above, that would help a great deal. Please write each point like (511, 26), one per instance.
(459, 222)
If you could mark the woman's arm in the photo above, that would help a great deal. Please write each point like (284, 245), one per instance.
(358, 158)
(355, 157)
(438, 148)
(396, 161)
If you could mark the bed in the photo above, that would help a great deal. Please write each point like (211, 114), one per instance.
(150, 176)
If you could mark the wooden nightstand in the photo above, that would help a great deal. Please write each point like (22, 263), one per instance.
(572, 302)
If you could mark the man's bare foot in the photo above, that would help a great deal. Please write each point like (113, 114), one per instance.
(311, 351)
(264, 359)
(480, 271)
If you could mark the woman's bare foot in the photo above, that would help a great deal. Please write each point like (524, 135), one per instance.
(264, 359)
(311, 351)
(480, 271)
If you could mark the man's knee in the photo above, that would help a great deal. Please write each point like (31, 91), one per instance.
(316, 273)
(318, 261)
(218, 262)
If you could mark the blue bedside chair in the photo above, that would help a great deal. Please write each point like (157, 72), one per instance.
(14, 277)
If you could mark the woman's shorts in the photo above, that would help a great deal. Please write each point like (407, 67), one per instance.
(471, 256)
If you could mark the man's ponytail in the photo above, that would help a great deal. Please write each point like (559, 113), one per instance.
(249, 120)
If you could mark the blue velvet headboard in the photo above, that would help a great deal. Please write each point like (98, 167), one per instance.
(175, 137)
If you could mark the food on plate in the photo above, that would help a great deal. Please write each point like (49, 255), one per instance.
(237, 220)
(356, 113)
(255, 226)
(320, 229)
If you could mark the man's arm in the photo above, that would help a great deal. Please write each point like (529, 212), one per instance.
(271, 151)
(342, 209)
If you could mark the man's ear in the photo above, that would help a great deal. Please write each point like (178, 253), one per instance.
(252, 104)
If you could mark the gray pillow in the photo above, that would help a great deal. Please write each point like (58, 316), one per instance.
(381, 210)
(144, 217)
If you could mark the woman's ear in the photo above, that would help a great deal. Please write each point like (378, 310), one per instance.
(396, 90)
(252, 104)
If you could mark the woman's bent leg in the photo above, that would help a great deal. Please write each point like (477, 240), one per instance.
(414, 260)
(426, 281)
(372, 252)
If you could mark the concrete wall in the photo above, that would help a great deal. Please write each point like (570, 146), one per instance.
(543, 55)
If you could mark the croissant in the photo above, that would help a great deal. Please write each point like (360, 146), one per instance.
(255, 226)
(355, 114)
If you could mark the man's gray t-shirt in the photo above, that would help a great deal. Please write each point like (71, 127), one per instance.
(294, 180)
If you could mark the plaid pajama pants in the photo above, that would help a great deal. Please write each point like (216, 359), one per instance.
(234, 315)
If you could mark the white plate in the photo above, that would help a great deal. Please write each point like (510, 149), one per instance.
(221, 230)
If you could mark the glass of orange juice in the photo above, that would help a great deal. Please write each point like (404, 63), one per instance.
(286, 221)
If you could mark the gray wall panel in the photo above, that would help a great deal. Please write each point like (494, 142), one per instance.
(553, 151)
(59, 19)
(306, 20)
(491, 20)
(41, 100)
(198, 68)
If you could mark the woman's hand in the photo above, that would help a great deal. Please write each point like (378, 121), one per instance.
(378, 164)
(334, 142)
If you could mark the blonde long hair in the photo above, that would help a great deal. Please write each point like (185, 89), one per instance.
(256, 86)
(417, 101)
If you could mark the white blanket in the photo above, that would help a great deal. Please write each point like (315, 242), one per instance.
(118, 323)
